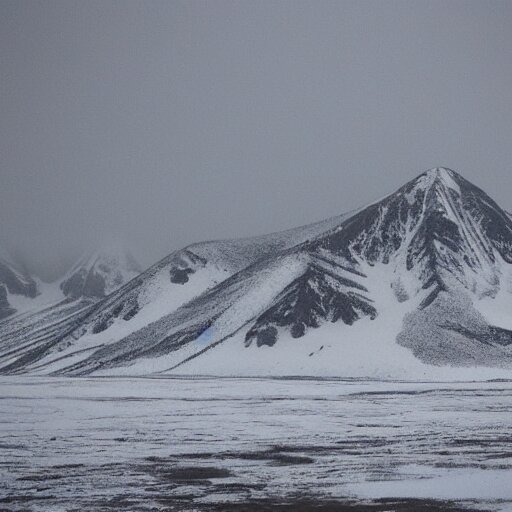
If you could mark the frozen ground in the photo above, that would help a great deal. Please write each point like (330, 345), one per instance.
(209, 444)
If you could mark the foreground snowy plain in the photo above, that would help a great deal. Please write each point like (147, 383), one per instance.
(225, 444)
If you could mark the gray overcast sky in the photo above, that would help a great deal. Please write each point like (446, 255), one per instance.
(171, 122)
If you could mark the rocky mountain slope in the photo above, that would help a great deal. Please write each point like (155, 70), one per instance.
(55, 309)
(100, 273)
(15, 286)
(416, 284)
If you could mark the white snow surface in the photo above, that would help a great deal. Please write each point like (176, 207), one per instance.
(357, 440)
(48, 294)
(367, 349)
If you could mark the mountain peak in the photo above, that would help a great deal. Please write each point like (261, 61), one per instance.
(100, 272)
(427, 269)
(14, 278)
(441, 171)
(439, 177)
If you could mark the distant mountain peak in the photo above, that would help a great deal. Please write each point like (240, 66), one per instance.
(14, 278)
(13, 282)
(440, 172)
(98, 273)
(437, 177)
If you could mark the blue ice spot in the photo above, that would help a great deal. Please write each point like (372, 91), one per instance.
(206, 336)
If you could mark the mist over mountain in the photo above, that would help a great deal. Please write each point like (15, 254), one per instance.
(417, 283)
(187, 121)
(93, 276)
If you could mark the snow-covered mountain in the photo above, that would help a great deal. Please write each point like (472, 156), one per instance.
(418, 284)
(55, 309)
(94, 276)
(99, 273)
(15, 286)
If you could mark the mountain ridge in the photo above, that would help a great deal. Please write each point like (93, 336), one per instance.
(98, 273)
(418, 268)
(13, 282)
(57, 308)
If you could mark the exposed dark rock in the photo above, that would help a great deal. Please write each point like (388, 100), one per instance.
(180, 275)
(311, 299)
(190, 474)
(94, 285)
(5, 308)
(449, 331)
(73, 286)
(15, 283)
(185, 264)
(99, 274)
(131, 312)
(266, 336)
